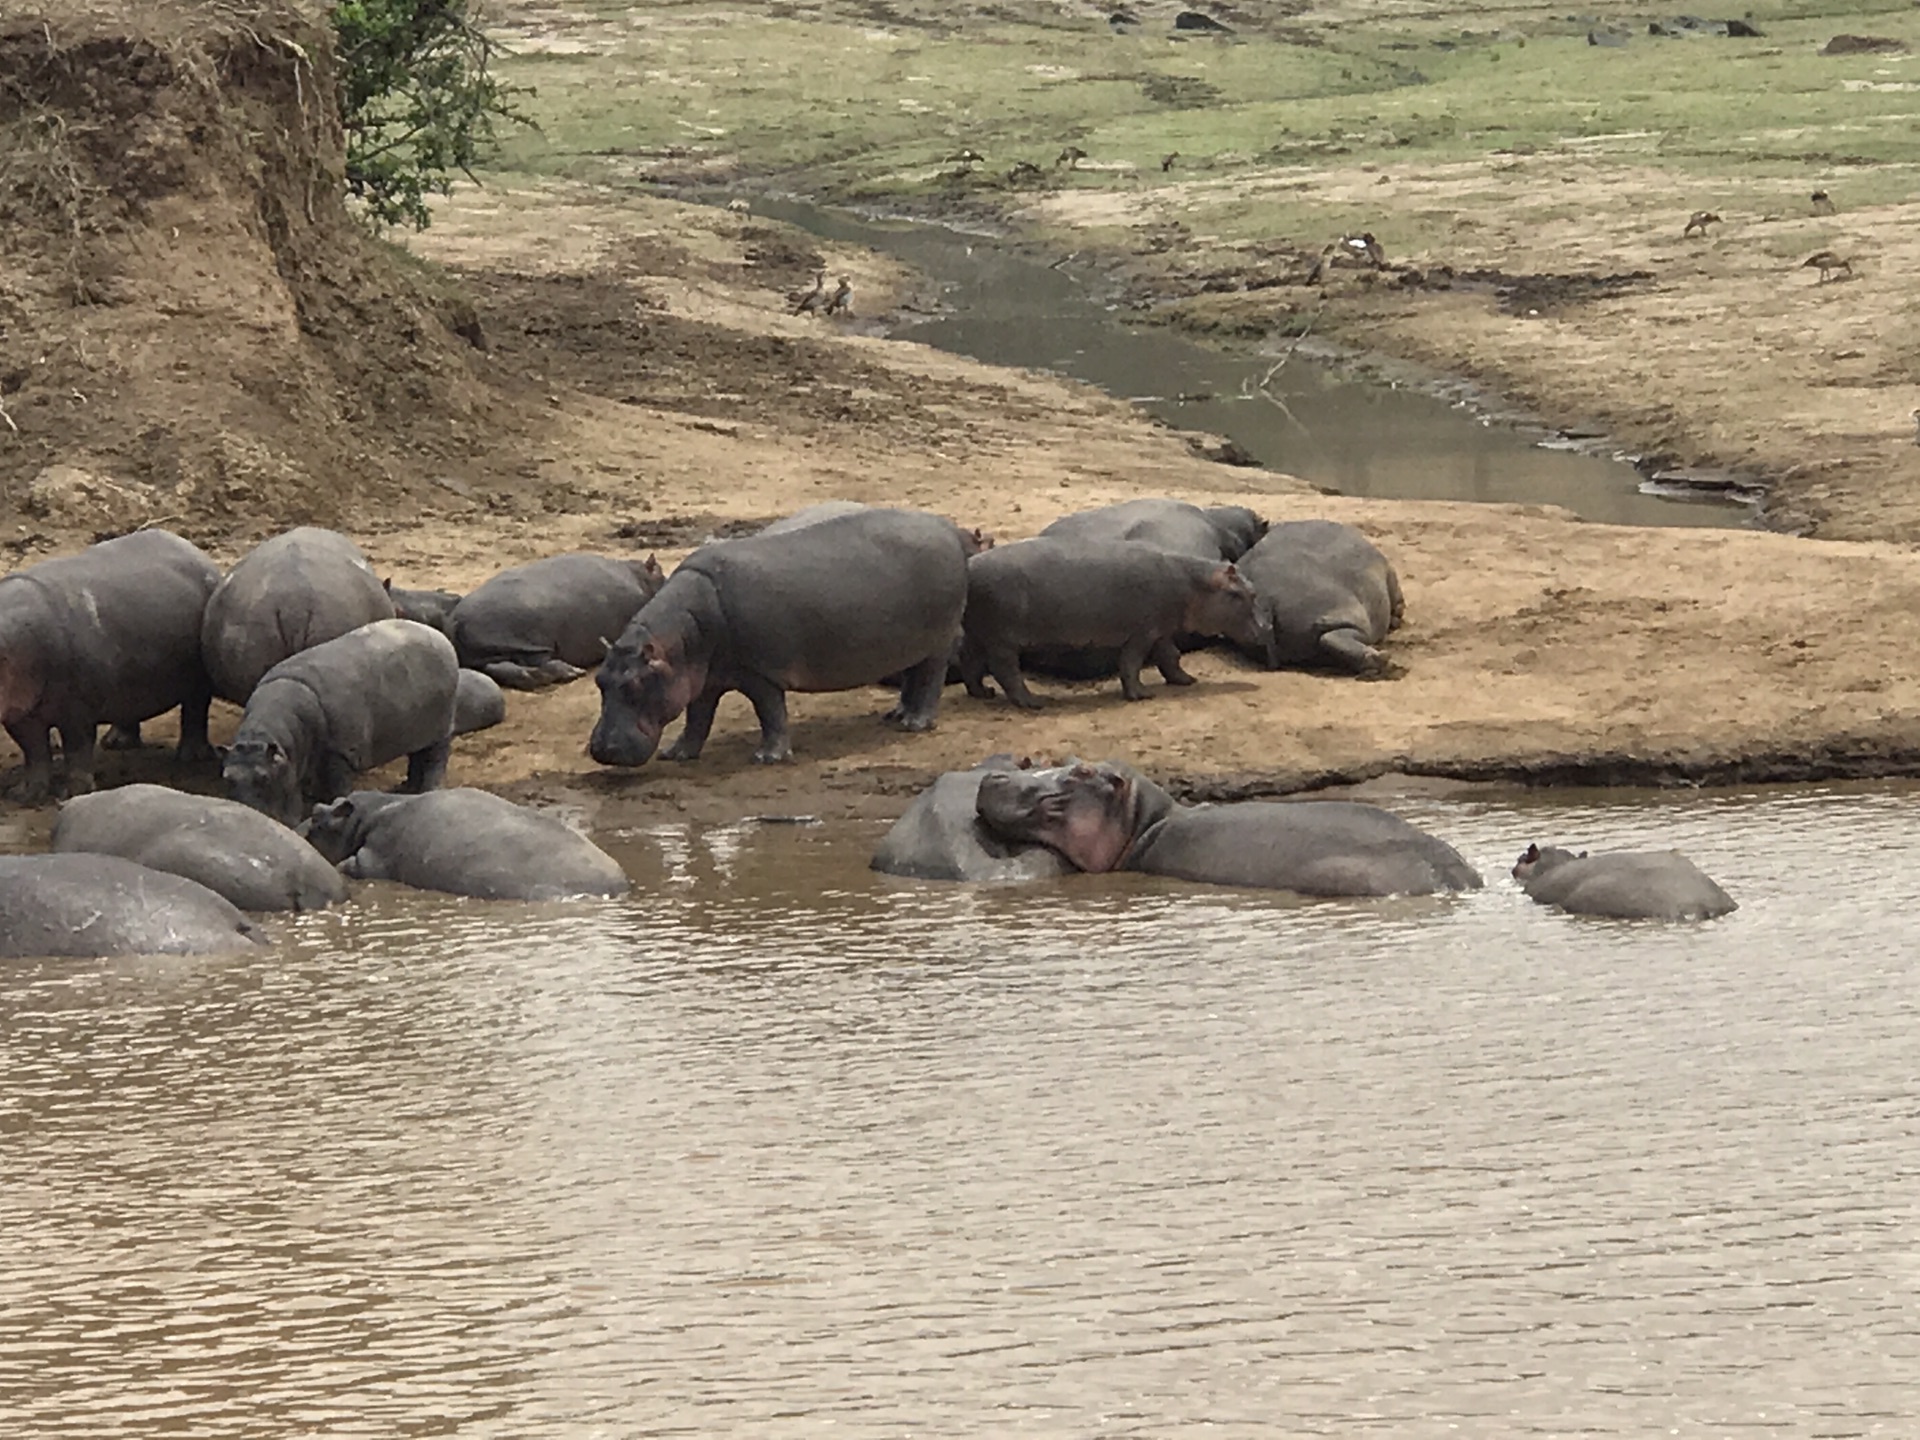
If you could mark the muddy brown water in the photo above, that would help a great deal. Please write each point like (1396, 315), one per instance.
(1350, 434)
(780, 1147)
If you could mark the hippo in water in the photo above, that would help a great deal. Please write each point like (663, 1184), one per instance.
(317, 719)
(550, 621)
(253, 861)
(1114, 593)
(1219, 532)
(103, 905)
(1629, 885)
(286, 595)
(1110, 817)
(974, 539)
(1329, 596)
(427, 607)
(831, 606)
(111, 635)
(465, 842)
(941, 836)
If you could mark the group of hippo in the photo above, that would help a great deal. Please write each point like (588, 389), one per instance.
(339, 673)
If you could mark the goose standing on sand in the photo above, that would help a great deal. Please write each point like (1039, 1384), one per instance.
(1822, 203)
(841, 301)
(1700, 220)
(1826, 262)
(805, 302)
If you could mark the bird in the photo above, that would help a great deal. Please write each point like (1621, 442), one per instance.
(1364, 244)
(805, 302)
(1070, 157)
(968, 158)
(738, 206)
(841, 301)
(1024, 170)
(1321, 265)
(1822, 203)
(1826, 262)
(1166, 161)
(1700, 220)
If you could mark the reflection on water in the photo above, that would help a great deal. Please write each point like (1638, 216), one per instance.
(1354, 436)
(778, 1147)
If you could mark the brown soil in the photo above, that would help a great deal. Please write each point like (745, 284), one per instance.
(643, 386)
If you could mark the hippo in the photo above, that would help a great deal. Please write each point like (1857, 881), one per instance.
(96, 905)
(286, 595)
(1116, 593)
(315, 719)
(1328, 596)
(1219, 532)
(550, 621)
(1110, 817)
(465, 842)
(429, 607)
(1629, 885)
(478, 703)
(109, 635)
(255, 862)
(941, 836)
(831, 606)
(975, 539)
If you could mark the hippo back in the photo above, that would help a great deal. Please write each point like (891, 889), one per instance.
(100, 905)
(1313, 576)
(1631, 885)
(386, 689)
(288, 594)
(1222, 533)
(941, 837)
(569, 607)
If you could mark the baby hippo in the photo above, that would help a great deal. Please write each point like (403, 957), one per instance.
(1632, 885)
(464, 842)
(1136, 598)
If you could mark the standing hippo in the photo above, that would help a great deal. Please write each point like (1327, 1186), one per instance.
(974, 539)
(465, 842)
(1631, 885)
(1220, 532)
(317, 719)
(111, 635)
(286, 595)
(478, 703)
(1328, 595)
(831, 606)
(1109, 817)
(103, 905)
(941, 836)
(550, 621)
(429, 607)
(254, 862)
(1095, 593)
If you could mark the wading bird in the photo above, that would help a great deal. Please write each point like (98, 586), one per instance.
(841, 301)
(805, 302)
(1699, 221)
(1826, 262)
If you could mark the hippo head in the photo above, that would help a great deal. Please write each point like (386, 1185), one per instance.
(1537, 860)
(649, 574)
(261, 774)
(1085, 812)
(1238, 527)
(329, 828)
(645, 682)
(975, 541)
(1225, 604)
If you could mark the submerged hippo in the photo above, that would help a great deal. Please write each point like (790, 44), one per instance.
(253, 861)
(428, 607)
(974, 539)
(551, 621)
(941, 836)
(1109, 817)
(316, 720)
(1630, 885)
(103, 905)
(465, 842)
(1219, 532)
(1114, 593)
(1329, 596)
(831, 606)
(108, 636)
(286, 595)
(478, 703)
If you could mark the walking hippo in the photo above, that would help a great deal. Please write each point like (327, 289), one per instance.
(478, 703)
(552, 620)
(1115, 593)
(465, 842)
(108, 636)
(318, 718)
(429, 607)
(832, 606)
(286, 595)
(1109, 817)
(975, 539)
(87, 905)
(1629, 885)
(941, 836)
(1219, 532)
(1329, 596)
(255, 862)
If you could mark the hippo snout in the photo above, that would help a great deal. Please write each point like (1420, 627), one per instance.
(614, 742)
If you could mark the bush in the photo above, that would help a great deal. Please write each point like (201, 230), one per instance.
(419, 102)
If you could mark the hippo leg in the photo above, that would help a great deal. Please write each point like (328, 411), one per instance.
(1003, 662)
(1133, 655)
(1166, 655)
(971, 661)
(693, 735)
(36, 743)
(1396, 602)
(336, 777)
(76, 743)
(514, 676)
(121, 737)
(920, 691)
(1347, 650)
(427, 767)
(770, 705)
(194, 745)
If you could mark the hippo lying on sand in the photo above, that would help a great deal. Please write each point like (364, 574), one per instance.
(465, 842)
(1631, 885)
(941, 836)
(1110, 817)
(550, 621)
(111, 635)
(1096, 593)
(103, 905)
(253, 861)
(318, 719)
(286, 595)
(1327, 594)
(1221, 532)
(831, 606)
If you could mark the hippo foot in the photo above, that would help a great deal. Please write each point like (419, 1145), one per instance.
(1385, 670)
(916, 724)
(681, 752)
(772, 755)
(33, 792)
(121, 737)
(200, 752)
(1182, 678)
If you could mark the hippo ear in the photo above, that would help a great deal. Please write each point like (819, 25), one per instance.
(387, 585)
(1533, 853)
(1223, 578)
(653, 567)
(274, 753)
(654, 655)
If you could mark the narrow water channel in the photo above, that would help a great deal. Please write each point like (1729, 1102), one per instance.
(1354, 436)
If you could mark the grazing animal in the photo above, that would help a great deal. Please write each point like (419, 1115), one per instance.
(1166, 160)
(968, 158)
(1822, 203)
(1365, 245)
(1700, 220)
(841, 301)
(1024, 170)
(1826, 262)
(1070, 157)
(805, 302)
